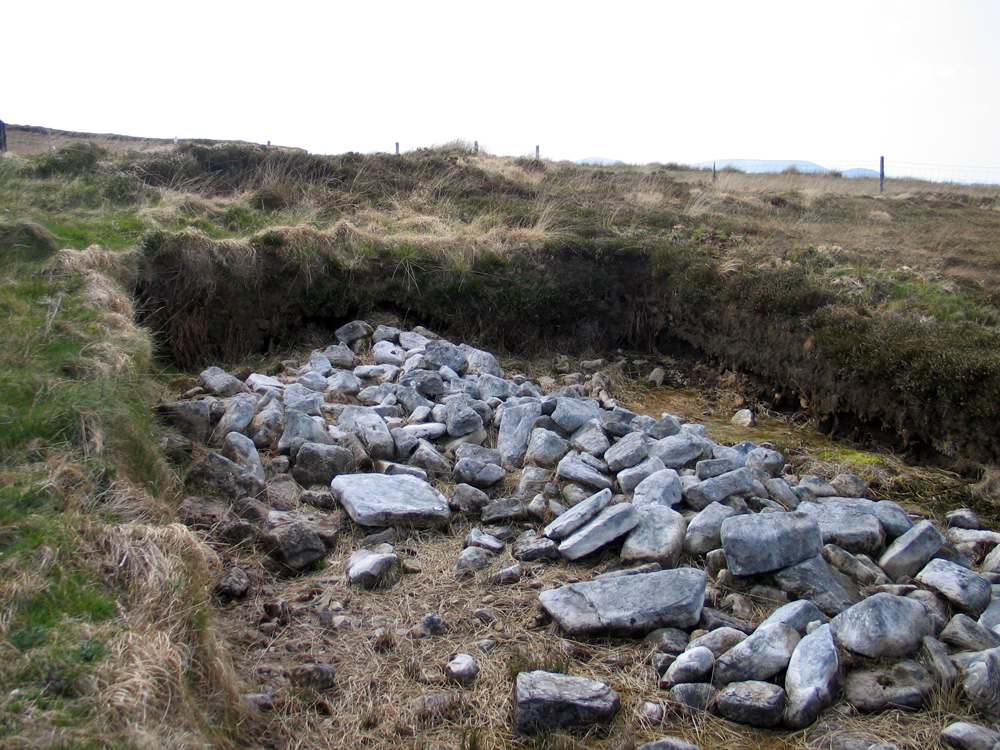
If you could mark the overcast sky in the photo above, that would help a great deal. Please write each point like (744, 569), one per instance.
(687, 81)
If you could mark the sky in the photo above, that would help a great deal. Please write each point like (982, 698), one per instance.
(916, 81)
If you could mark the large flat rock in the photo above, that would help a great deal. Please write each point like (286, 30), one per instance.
(391, 500)
(630, 604)
(769, 541)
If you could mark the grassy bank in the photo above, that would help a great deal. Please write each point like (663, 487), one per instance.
(876, 313)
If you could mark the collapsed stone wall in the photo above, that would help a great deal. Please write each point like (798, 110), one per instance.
(849, 583)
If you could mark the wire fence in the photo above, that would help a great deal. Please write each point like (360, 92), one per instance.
(869, 168)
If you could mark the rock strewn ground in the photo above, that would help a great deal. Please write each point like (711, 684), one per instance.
(571, 478)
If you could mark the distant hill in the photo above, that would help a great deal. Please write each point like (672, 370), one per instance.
(598, 161)
(762, 165)
(860, 172)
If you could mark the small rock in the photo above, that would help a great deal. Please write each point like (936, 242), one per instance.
(463, 669)
(545, 700)
(757, 704)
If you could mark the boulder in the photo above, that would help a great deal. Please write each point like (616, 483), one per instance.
(844, 524)
(906, 685)
(769, 541)
(610, 524)
(316, 463)
(760, 656)
(391, 500)
(546, 701)
(218, 382)
(813, 579)
(968, 591)
(757, 704)
(628, 605)
(811, 678)
(660, 488)
(658, 537)
(911, 551)
(704, 530)
(367, 569)
(717, 489)
(578, 515)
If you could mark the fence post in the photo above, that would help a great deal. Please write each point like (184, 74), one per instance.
(536, 153)
(3, 136)
(713, 171)
(881, 174)
(397, 148)
(475, 148)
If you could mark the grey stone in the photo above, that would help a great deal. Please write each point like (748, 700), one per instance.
(590, 439)
(218, 474)
(546, 701)
(445, 354)
(853, 568)
(677, 450)
(937, 610)
(668, 743)
(760, 656)
(533, 481)
(882, 626)
(571, 413)
(981, 683)
(667, 640)
(797, 614)
(529, 546)
(769, 541)
(578, 515)
(813, 579)
(572, 469)
(515, 430)
(965, 634)
(313, 380)
(713, 467)
(352, 332)
(766, 459)
(664, 427)
(371, 429)
(658, 537)
(717, 489)
(660, 488)
(964, 735)
(906, 685)
(607, 526)
(386, 500)
(545, 448)
(845, 525)
(849, 485)
(296, 544)
(779, 490)
(894, 519)
(303, 399)
(694, 665)
(756, 704)
(478, 474)
(413, 340)
(238, 415)
(235, 583)
(509, 509)
(472, 559)
(631, 477)
(911, 551)
(462, 669)
(963, 518)
(481, 362)
(629, 451)
(811, 678)
(218, 382)
(935, 657)
(704, 530)
(387, 353)
(339, 355)
(461, 419)
(301, 428)
(968, 591)
(628, 605)
(469, 500)
(316, 463)
(366, 569)
(429, 458)
(344, 382)
(192, 418)
(692, 698)
(719, 640)
(817, 485)
(240, 448)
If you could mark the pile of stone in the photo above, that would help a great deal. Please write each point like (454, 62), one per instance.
(844, 580)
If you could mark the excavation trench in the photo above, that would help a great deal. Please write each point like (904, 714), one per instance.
(206, 308)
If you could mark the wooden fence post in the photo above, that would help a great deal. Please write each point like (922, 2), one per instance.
(536, 153)
(475, 148)
(3, 136)
(397, 148)
(881, 174)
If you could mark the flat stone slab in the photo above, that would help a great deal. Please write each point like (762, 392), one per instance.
(966, 590)
(610, 524)
(769, 541)
(391, 500)
(842, 523)
(630, 604)
(546, 700)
